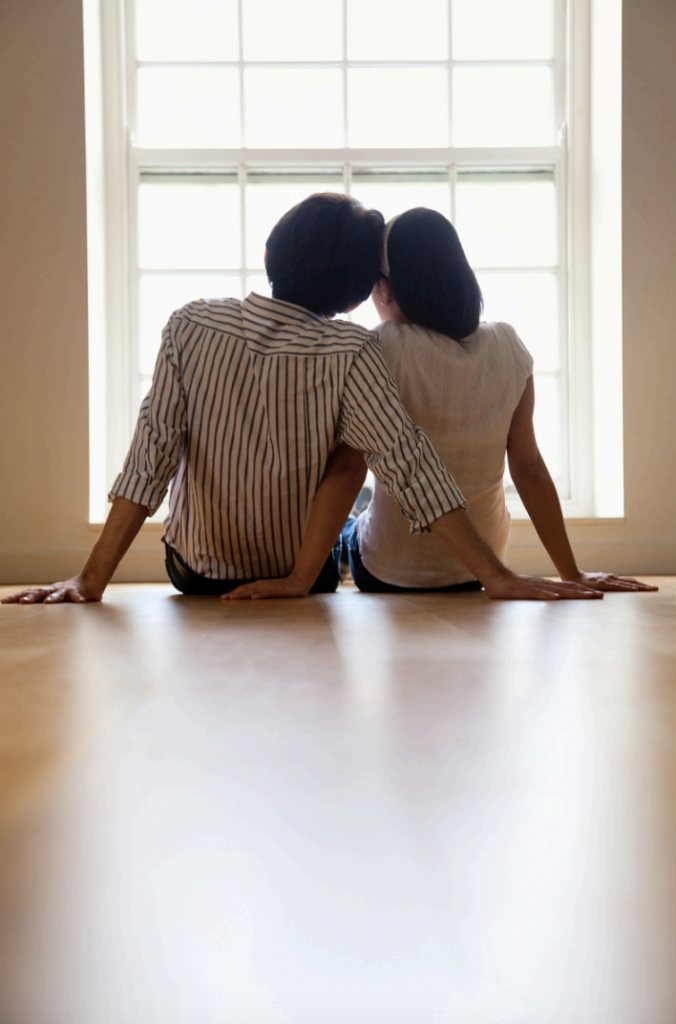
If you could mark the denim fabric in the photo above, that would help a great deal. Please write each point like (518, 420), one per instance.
(190, 582)
(371, 584)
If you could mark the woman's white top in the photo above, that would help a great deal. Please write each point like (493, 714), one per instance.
(464, 397)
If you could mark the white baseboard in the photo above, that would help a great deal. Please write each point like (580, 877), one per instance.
(147, 566)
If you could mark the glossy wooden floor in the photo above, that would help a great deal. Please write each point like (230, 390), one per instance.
(344, 810)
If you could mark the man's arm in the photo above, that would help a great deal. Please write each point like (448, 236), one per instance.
(333, 501)
(335, 497)
(456, 531)
(343, 479)
(396, 444)
(406, 463)
(124, 522)
(139, 489)
(538, 493)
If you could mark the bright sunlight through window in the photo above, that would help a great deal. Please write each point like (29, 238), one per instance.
(231, 111)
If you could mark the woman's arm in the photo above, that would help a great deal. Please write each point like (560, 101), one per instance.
(343, 479)
(538, 493)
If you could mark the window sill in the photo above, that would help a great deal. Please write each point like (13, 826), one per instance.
(520, 523)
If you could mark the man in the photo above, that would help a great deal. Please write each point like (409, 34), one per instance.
(248, 403)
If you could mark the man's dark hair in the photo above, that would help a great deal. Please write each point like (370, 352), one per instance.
(432, 282)
(324, 254)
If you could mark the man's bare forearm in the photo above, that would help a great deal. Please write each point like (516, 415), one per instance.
(121, 527)
(456, 531)
(124, 522)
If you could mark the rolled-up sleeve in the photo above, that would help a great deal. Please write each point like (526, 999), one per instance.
(160, 433)
(398, 452)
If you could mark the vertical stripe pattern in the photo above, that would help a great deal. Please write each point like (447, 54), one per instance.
(248, 401)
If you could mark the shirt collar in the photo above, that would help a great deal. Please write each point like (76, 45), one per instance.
(267, 310)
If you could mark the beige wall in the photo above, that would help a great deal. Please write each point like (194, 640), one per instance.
(43, 281)
(649, 247)
(645, 540)
(44, 531)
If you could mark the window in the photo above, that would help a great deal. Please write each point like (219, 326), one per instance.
(224, 113)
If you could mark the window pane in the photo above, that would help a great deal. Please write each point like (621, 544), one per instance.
(394, 196)
(398, 107)
(496, 30)
(143, 389)
(188, 30)
(293, 30)
(503, 107)
(397, 30)
(547, 420)
(511, 224)
(529, 302)
(186, 226)
(291, 108)
(365, 315)
(258, 283)
(161, 294)
(267, 201)
(182, 108)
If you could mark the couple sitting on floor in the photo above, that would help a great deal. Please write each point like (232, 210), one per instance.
(266, 412)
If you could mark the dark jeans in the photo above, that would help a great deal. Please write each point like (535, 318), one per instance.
(190, 582)
(371, 584)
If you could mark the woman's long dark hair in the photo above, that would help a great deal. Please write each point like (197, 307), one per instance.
(432, 282)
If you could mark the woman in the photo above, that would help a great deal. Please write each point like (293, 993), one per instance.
(469, 385)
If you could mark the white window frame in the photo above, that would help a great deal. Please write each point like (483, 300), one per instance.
(112, 201)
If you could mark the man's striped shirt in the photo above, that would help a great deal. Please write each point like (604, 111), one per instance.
(248, 401)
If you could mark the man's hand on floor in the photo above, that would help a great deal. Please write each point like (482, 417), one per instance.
(611, 583)
(76, 591)
(122, 525)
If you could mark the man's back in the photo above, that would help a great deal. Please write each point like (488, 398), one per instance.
(248, 401)
(263, 382)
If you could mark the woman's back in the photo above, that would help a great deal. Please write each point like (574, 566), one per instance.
(464, 397)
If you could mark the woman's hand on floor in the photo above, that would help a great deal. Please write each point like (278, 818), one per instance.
(610, 583)
(262, 589)
(76, 591)
(507, 586)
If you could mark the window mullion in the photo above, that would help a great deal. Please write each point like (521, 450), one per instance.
(560, 62)
(130, 307)
(346, 135)
(525, 156)
(565, 350)
(240, 67)
(452, 182)
(242, 183)
(339, 63)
